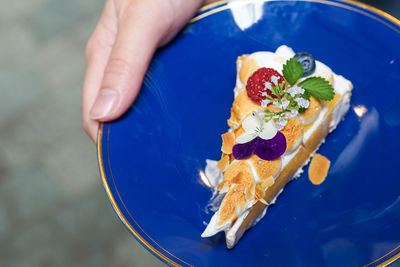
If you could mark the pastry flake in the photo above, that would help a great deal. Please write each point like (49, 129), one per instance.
(228, 140)
(318, 169)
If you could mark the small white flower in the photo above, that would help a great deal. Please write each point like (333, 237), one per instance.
(281, 123)
(293, 113)
(264, 93)
(267, 85)
(304, 103)
(264, 103)
(285, 103)
(295, 90)
(255, 126)
(275, 79)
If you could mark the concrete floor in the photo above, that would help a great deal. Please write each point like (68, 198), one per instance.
(53, 209)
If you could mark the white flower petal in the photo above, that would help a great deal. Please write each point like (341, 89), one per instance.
(264, 103)
(295, 90)
(293, 113)
(280, 124)
(267, 85)
(291, 91)
(269, 131)
(275, 79)
(285, 103)
(260, 118)
(304, 103)
(246, 137)
(251, 123)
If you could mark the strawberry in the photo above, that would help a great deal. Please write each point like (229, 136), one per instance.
(259, 82)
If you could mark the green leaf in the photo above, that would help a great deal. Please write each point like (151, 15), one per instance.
(273, 91)
(318, 87)
(292, 70)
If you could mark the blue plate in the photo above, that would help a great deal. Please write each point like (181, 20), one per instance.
(150, 159)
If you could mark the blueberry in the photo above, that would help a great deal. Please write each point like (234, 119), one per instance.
(307, 61)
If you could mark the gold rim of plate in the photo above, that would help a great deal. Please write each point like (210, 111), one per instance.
(208, 10)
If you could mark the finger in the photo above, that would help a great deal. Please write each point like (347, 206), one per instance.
(98, 51)
(135, 43)
(143, 26)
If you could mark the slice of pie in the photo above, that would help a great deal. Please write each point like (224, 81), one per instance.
(285, 105)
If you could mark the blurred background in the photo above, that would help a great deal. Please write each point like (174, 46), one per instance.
(53, 208)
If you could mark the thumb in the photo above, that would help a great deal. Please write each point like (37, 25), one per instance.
(137, 38)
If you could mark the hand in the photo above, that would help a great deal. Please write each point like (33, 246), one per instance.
(120, 49)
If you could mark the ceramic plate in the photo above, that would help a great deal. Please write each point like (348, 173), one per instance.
(150, 159)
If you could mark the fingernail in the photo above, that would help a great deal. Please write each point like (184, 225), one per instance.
(105, 102)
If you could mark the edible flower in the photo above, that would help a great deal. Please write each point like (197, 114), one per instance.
(260, 138)
(268, 87)
(255, 126)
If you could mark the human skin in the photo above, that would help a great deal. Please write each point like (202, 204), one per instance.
(119, 51)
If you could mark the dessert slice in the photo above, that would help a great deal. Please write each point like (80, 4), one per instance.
(285, 105)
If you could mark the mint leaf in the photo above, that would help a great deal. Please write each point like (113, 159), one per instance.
(318, 87)
(292, 70)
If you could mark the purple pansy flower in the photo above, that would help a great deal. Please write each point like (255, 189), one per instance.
(261, 138)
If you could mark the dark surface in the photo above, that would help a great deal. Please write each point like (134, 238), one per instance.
(390, 6)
